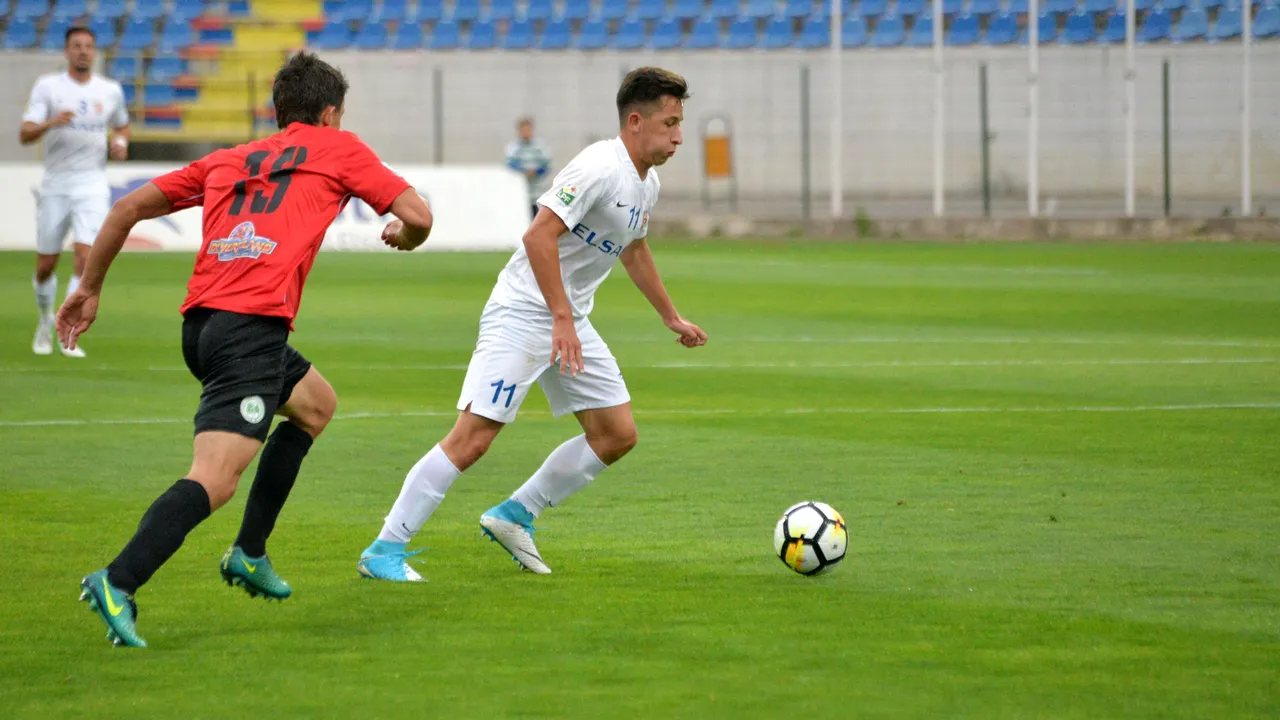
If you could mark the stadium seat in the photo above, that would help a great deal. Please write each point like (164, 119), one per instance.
(613, 10)
(911, 8)
(798, 8)
(335, 35)
(950, 7)
(815, 33)
(777, 34)
(760, 9)
(1061, 7)
(576, 9)
(1174, 5)
(1002, 30)
(238, 8)
(446, 36)
(137, 35)
(408, 36)
(742, 34)
(501, 10)
(20, 35)
(30, 10)
(630, 35)
(721, 9)
(687, 9)
(705, 34)
(649, 9)
(466, 10)
(187, 10)
(1194, 25)
(483, 36)
(429, 11)
(129, 93)
(872, 8)
(891, 31)
(556, 35)
(853, 32)
(110, 9)
(349, 10)
(984, 8)
(176, 35)
(104, 30)
(1113, 31)
(1099, 6)
(166, 68)
(593, 35)
(148, 10)
(1080, 28)
(1046, 29)
(666, 35)
(69, 9)
(1267, 23)
(964, 30)
(1230, 24)
(389, 10)
(538, 10)
(372, 35)
(158, 95)
(921, 33)
(123, 68)
(55, 35)
(519, 36)
(1212, 4)
(1155, 27)
(1018, 7)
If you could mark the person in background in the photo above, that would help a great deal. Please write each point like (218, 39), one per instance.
(526, 154)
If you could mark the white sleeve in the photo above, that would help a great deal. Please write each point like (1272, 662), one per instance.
(120, 117)
(38, 106)
(577, 188)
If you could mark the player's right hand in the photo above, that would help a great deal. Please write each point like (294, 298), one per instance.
(391, 235)
(62, 118)
(566, 346)
(75, 316)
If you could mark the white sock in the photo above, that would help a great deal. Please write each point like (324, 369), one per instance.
(566, 470)
(423, 491)
(72, 284)
(46, 294)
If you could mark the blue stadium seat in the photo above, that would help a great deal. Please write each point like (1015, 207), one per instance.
(984, 8)
(148, 9)
(1230, 24)
(891, 31)
(519, 36)
(123, 68)
(921, 33)
(335, 35)
(1212, 4)
(70, 9)
(372, 35)
(816, 33)
(350, 10)
(705, 34)
(1047, 29)
(1267, 23)
(483, 36)
(760, 9)
(1174, 5)
(387, 10)
(431, 11)
(721, 9)
(408, 36)
(853, 32)
(187, 10)
(950, 7)
(576, 9)
(1155, 27)
(1113, 31)
(593, 35)
(104, 29)
(1080, 29)
(777, 34)
(649, 9)
(687, 9)
(965, 30)
(20, 35)
(1058, 6)
(137, 35)
(30, 10)
(630, 35)
(502, 10)
(798, 8)
(158, 95)
(666, 35)
(1193, 25)
(466, 10)
(446, 36)
(1018, 7)
(1002, 29)
(110, 9)
(176, 35)
(1099, 6)
(166, 68)
(742, 34)
(911, 8)
(556, 35)
(872, 8)
(613, 9)
(55, 35)
(238, 8)
(538, 10)
(129, 93)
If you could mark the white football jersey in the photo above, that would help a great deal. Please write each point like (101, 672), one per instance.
(75, 154)
(604, 203)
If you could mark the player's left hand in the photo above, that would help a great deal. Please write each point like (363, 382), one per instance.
(391, 235)
(75, 316)
(690, 335)
(119, 149)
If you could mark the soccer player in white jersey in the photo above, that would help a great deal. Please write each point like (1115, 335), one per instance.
(73, 112)
(536, 327)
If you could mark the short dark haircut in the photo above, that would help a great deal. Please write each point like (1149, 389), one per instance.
(304, 87)
(647, 86)
(66, 39)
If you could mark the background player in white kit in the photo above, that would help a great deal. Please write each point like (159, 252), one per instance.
(596, 210)
(72, 111)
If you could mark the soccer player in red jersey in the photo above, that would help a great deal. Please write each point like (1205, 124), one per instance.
(267, 206)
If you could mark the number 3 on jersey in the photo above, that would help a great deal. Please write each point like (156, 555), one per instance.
(280, 176)
(498, 389)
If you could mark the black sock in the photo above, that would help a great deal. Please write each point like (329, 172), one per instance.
(163, 528)
(277, 469)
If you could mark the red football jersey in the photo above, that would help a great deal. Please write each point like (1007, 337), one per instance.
(267, 206)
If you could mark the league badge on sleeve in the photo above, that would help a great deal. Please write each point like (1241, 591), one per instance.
(567, 194)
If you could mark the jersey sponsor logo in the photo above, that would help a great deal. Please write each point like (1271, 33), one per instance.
(608, 247)
(243, 242)
(567, 194)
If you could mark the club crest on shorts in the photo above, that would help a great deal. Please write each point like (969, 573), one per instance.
(253, 409)
(242, 242)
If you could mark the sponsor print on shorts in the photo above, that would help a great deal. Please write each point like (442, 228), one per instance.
(243, 242)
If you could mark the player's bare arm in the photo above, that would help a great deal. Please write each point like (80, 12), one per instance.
(541, 242)
(33, 131)
(81, 307)
(412, 224)
(638, 260)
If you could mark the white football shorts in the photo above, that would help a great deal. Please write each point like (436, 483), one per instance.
(514, 350)
(82, 214)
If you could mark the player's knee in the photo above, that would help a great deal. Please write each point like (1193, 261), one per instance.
(320, 411)
(466, 449)
(45, 268)
(612, 445)
(219, 484)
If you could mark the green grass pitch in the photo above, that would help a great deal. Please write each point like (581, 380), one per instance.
(1060, 465)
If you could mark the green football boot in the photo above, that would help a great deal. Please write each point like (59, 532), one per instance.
(255, 575)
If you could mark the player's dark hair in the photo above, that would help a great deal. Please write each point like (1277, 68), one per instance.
(74, 29)
(304, 87)
(645, 87)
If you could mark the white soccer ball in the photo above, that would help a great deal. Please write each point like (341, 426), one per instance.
(810, 538)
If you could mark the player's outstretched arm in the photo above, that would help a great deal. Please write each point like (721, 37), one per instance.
(81, 307)
(638, 260)
(413, 221)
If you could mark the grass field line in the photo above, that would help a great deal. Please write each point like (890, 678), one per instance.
(725, 365)
(913, 340)
(675, 412)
